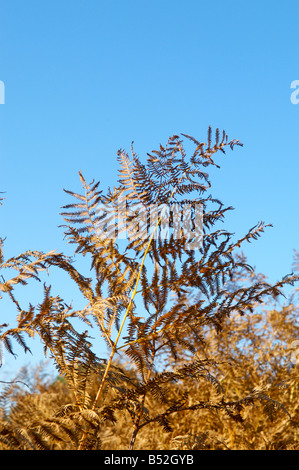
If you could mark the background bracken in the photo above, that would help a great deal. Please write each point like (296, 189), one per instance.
(201, 353)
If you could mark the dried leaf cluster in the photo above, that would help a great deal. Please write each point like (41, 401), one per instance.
(196, 358)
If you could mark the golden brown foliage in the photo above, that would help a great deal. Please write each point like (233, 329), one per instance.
(203, 361)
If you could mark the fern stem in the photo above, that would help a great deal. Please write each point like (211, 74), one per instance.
(114, 347)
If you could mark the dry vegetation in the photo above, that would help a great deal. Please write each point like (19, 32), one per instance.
(201, 351)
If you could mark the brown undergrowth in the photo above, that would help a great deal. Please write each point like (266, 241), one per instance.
(201, 354)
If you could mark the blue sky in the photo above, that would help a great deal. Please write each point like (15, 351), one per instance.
(85, 78)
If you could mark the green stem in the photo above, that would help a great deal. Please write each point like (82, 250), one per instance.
(114, 347)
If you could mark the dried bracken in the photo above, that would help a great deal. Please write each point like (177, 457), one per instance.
(194, 351)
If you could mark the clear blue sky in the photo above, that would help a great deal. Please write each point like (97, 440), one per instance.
(84, 78)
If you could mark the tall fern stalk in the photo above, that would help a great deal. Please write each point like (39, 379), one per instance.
(114, 347)
(186, 295)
